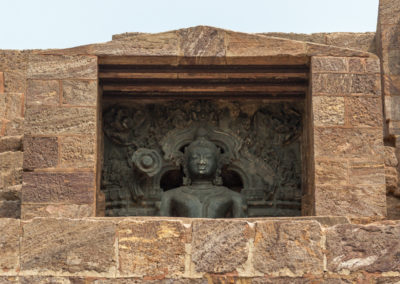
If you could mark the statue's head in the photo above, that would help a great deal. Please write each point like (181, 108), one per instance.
(202, 160)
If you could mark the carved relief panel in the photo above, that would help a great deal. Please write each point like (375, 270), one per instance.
(260, 145)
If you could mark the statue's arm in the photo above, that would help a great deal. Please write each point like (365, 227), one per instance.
(239, 206)
(165, 207)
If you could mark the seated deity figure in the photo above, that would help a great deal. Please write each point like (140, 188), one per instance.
(202, 195)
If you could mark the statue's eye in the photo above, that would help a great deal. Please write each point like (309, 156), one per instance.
(195, 156)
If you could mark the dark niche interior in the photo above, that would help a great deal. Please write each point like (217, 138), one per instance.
(259, 140)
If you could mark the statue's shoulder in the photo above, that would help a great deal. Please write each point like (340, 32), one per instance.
(174, 191)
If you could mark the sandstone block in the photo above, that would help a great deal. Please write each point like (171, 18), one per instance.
(329, 64)
(14, 127)
(389, 11)
(10, 209)
(390, 37)
(3, 105)
(68, 246)
(74, 211)
(9, 244)
(149, 280)
(351, 200)
(62, 67)
(366, 173)
(9, 279)
(342, 84)
(13, 59)
(358, 41)
(77, 151)
(10, 177)
(241, 44)
(15, 81)
(372, 65)
(392, 85)
(47, 187)
(331, 172)
(393, 207)
(220, 246)
(46, 92)
(391, 64)
(151, 248)
(390, 157)
(350, 143)
(10, 143)
(392, 110)
(202, 41)
(10, 160)
(1, 82)
(52, 280)
(357, 65)
(282, 247)
(11, 193)
(328, 110)
(40, 152)
(14, 108)
(60, 120)
(392, 179)
(363, 111)
(372, 248)
(78, 92)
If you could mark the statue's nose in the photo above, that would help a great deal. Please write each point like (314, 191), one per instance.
(202, 161)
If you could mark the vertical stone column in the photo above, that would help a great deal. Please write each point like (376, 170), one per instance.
(59, 176)
(348, 140)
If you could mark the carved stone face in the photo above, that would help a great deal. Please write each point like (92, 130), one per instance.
(202, 162)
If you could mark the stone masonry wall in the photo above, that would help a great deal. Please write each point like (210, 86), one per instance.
(12, 100)
(135, 250)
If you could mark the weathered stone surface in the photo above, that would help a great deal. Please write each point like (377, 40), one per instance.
(220, 246)
(348, 142)
(373, 248)
(358, 41)
(392, 179)
(1, 82)
(355, 200)
(314, 49)
(59, 120)
(62, 67)
(10, 143)
(77, 151)
(9, 244)
(10, 177)
(10, 160)
(129, 280)
(140, 44)
(9, 279)
(29, 211)
(390, 37)
(53, 280)
(11, 193)
(151, 248)
(329, 64)
(393, 207)
(288, 247)
(46, 92)
(10, 209)
(388, 280)
(328, 110)
(40, 152)
(316, 37)
(392, 111)
(241, 44)
(79, 92)
(15, 81)
(14, 105)
(331, 172)
(357, 65)
(47, 187)
(391, 64)
(366, 173)
(389, 11)
(391, 85)
(390, 157)
(13, 59)
(14, 127)
(68, 246)
(3, 105)
(202, 41)
(363, 111)
(342, 84)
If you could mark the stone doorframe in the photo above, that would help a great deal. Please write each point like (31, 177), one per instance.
(62, 156)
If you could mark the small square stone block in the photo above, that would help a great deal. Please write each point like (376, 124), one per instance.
(40, 152)
(9, 244)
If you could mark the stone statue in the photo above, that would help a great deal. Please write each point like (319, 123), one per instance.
(202, 195)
